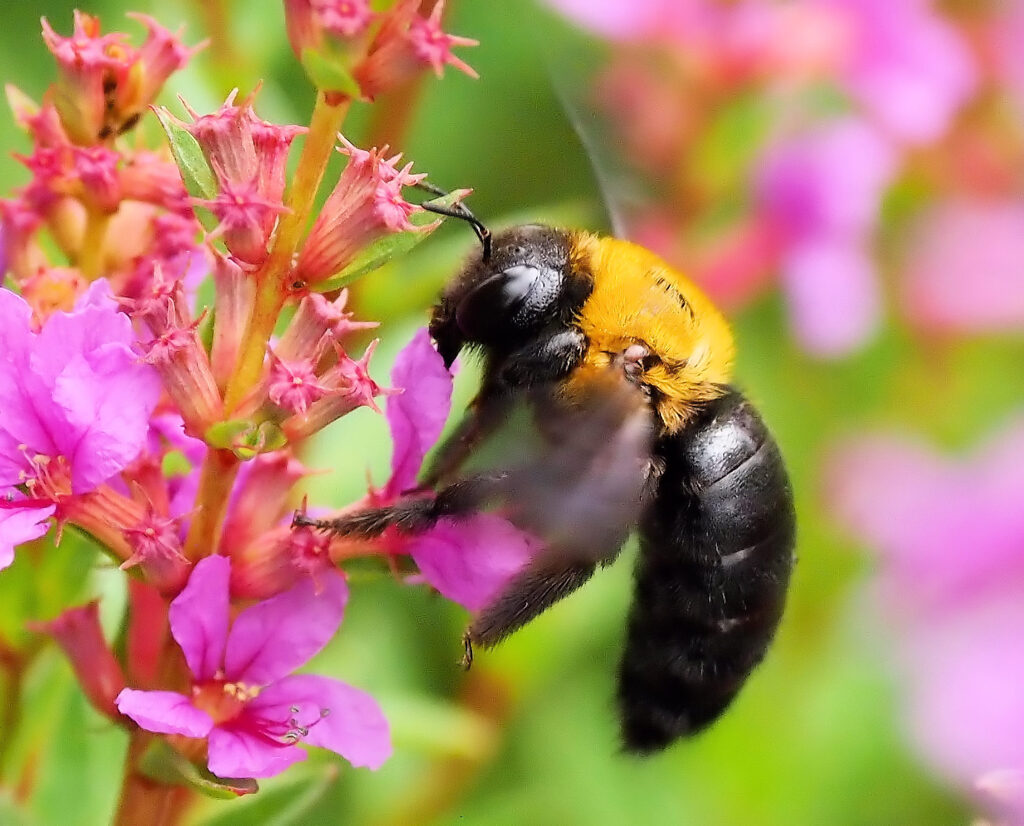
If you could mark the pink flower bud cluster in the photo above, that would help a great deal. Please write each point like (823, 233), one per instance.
(124, 414)
(381, 50)
(84, 190)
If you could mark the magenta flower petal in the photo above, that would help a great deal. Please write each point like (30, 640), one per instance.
(931, 505)
(106, 395)
(960, 243)
(469, 560)
(965, 674)
(908, 66)
(164, 712)
(620, 19)
(417, 415)
(832, 290)
(273, 638)
(339, 717)
(75, 391)
(826, 182)
(199, 616)
(18, 525)
(237, 752)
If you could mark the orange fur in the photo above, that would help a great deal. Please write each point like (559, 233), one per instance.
(639, 299)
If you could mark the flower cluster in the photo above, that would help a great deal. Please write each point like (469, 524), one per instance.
(170, 432)
(877, 99)
(949, 535)
(368, 53)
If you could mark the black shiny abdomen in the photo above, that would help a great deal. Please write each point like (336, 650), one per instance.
(716, 551)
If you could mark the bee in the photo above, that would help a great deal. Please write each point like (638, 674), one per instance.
(625, 367)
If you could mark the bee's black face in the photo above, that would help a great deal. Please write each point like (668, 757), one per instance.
(503, 303)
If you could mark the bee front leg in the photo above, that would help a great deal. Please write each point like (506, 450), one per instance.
(410, 514)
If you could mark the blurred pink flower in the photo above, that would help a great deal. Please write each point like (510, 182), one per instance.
(905, 65)
(821, 192)
(466, 559)
(950, 538)
(76, 404)
(964, 269)
(628, 19)
(242, 700)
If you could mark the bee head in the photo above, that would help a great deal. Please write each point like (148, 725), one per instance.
(504, 300)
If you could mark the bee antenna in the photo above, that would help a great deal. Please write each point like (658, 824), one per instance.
(460, 211)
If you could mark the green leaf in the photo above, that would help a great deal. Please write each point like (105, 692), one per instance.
(195, 171)
(245, 438)
(390, 246)
(330, 72)
(227, 435)
(166, 765)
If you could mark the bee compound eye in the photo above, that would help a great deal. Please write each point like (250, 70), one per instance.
(515, 297)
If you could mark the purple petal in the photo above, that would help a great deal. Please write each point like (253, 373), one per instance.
(965, 671)
(832, 289)
(908, 66)
(339, 717)
(416, 416)
(469, 560)
(827, 182)
(107, 397)
(237, 752)
(20, 423)
(199, 616)
(273, 638)
(18, 525)
(632, 19)
(917, 509)
(960, 243)
(165, 712)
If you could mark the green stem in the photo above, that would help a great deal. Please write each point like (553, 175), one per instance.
(90, 254)
(272, 278)
(215, 482)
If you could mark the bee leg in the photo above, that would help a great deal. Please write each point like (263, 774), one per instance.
(545, 359)
(488, 411)
(532, 591)
(413, 514)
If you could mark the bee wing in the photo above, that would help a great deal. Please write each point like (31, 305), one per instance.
(574, 470)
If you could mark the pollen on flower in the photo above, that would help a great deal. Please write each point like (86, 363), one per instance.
(48, 477)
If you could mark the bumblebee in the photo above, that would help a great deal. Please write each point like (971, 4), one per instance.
(624, 366)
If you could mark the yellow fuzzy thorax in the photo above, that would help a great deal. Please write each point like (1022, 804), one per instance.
(639, 299)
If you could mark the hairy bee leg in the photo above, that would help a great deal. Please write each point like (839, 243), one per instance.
(411, 514)
(540, 585)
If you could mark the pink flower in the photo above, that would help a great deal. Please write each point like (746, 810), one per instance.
(242, 698)
(76, 401)
(950, 538)
(404, 44)
(630, 19)
(21, 521)
(821, 192)
(366, 204)
(906, 66)
(469, 559)
(104, 84)
(964, 269)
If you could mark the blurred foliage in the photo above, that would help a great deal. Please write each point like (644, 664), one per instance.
(529, 735)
